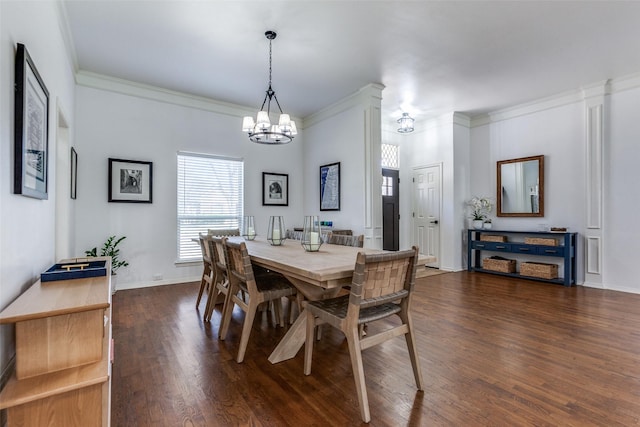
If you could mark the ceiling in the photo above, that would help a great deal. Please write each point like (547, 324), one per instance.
(433, 57)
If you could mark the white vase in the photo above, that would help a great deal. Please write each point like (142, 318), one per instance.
(477, 224)
(487, 225)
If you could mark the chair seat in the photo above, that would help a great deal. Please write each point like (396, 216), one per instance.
(337, 308)
(272, 285)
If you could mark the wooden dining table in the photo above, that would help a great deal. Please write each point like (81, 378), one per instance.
(316, 275)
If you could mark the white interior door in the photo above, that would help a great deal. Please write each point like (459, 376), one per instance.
(426, 211)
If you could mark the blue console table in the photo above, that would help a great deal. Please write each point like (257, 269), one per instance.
(515, 244)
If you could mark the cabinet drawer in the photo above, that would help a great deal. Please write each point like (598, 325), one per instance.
(551, 250)
(491, 246)
(523, 248)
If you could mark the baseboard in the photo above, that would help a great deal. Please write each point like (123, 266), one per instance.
(138, 285)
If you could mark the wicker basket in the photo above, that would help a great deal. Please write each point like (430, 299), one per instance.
(492, 238)
(501, 265)
(538, 269)
(546, 241)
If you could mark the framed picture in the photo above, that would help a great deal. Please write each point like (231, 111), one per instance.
(31, 128)
(74, 173)
(130, 181)
(330, 187)
(275, 189)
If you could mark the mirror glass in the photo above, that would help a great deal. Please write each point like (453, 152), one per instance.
(520, 189)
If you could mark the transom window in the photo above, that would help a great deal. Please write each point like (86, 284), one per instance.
(390, 157)
(210, 196)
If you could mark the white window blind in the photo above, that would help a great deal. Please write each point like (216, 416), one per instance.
(210, 196)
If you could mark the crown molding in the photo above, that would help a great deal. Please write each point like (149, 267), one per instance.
(600, 88)
(362, 96)
(155, 93)
(67, 37)
(564, 98)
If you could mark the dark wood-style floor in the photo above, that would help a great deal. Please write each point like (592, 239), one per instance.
(494, 351)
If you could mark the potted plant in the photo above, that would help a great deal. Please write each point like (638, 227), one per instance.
(110, 248)
(487, 223)
(480, 207)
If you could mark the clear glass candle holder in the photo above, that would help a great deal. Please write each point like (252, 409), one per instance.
(276, 230)
(311, 234)
(248, 228)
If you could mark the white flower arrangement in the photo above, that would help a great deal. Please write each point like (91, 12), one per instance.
(480, 207)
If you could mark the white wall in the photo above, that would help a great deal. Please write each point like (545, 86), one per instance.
(112, 124)
(622, 195)
(559, 133)
(28, 225)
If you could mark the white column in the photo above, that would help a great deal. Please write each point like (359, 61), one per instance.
(372, 101)
(596, 120)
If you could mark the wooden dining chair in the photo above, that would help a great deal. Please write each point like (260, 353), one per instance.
(220, 276)
(346, 240)
(224, 232)
(259, 289)
(382, 285)
(293, 234)
(207, 271)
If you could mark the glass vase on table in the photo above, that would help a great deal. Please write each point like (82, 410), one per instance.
(276, 230)
(248, 228)
(311, 234)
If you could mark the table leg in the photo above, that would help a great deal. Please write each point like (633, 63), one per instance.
(293, 340)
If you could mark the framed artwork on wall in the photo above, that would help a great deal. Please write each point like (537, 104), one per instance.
(74, 173)
(130, 181)
(31, 128)
(275, 189)
(330, 187)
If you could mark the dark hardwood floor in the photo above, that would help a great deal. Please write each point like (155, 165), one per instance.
(495, 351)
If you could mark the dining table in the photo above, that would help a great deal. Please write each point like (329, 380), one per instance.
(316, 275)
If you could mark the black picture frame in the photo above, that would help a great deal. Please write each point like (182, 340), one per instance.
(31, 123)
(330, 187)
(275, 189)
(74, 173)
(130, 181)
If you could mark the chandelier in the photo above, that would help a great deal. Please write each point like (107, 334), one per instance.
(406, 123)
(262, 131)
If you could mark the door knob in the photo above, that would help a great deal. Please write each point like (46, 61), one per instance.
(435, 221)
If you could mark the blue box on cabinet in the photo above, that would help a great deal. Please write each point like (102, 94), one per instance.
(74, 270)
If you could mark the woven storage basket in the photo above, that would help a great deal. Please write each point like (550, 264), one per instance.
(546, 241)
(492, 238)
(501, 265)
(538, 269)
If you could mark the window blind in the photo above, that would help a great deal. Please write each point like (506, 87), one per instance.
(210, 196)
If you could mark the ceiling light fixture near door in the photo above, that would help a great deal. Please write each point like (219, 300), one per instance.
(406, 123)
(262, 131)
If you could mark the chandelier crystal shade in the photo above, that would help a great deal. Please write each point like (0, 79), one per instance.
(262, 130)
(406, 123)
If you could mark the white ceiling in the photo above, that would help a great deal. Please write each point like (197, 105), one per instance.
(433, 57)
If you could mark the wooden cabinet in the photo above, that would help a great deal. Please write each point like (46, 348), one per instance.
(518, 242)
(63, 354)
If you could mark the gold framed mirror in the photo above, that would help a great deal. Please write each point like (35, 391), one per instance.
(520, 189)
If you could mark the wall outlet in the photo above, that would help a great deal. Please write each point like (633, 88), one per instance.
(157, 276)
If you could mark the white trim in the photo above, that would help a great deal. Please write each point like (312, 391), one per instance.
(208, 156)
(594, 133)
(138, 285)
(67, 35)
(155, 93)
(593, 255)
(362, 96)
(600, 88)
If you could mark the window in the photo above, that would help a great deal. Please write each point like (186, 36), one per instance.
(210, 196)
(390, 157)
(387, 186)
